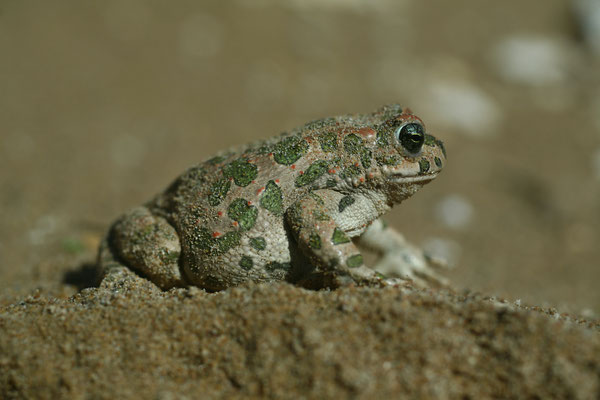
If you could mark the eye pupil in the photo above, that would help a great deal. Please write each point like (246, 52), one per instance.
(411, 137)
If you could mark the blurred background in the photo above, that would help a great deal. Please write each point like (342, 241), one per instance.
(102, 104)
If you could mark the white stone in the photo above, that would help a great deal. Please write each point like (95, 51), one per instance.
(533, 60)
(462, 107)
(455, 211)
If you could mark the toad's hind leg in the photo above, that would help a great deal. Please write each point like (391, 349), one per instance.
(399, 258)
(114, 275)
(146, 243)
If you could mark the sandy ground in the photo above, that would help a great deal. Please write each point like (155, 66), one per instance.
(102, 105)
(279, 341)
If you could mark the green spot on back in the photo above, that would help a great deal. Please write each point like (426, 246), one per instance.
(339, 237)
(218, 191)
(328, 141)
(246, 263)
(353, 143)
(258, 243)
(242, 171)
(289, 150)
(227, 241)
(345, 202)
(204, 243)
(244, 214)
(314, 172)
(314, 241)
(272, 198)
(354, 261)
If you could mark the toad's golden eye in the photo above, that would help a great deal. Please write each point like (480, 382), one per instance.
(411, 137)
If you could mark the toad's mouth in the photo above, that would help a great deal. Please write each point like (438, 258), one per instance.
(413, 179)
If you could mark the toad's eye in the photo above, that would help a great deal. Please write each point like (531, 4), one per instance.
(411, 137)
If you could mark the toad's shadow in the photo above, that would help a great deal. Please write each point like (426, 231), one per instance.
(84, 276)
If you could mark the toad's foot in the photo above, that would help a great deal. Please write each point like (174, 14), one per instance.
(400, 259)
(116, 277)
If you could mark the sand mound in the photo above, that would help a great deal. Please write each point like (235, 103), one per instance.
(281, 341)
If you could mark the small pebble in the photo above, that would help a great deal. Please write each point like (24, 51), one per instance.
(454, 211)
(45, 226)
(533, 60)
(463, 107)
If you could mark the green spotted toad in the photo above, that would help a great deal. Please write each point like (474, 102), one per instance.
(296, 207)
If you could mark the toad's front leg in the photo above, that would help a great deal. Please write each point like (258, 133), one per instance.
(327, 246)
